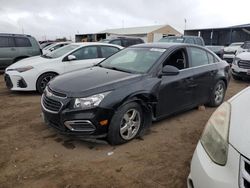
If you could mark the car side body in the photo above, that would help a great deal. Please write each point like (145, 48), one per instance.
(189, 78)
(14, 47)
(30, 73)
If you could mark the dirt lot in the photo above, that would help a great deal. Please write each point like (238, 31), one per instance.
(33, 155)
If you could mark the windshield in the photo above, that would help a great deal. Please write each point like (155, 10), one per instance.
(172, 39)
(236, 44)
(61, 51)
(246, 45)
(49, 46)
(133, 60)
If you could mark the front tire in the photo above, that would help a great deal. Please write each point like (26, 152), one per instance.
(218, 94)
(43, 80)
(126, 124)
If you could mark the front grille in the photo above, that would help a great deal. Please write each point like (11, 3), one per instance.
(244, 64)
(51, 105)
(244, 173)
(58, 94)
(8, 81)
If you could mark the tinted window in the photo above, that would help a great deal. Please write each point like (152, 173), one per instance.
(211, 58)
(89, 52)
(246, 46)
(189, 41)
(198, 57)
(22, 42)
(108, 51)
(6, 42)
(199, 41)
(117, 42)
(61, 51)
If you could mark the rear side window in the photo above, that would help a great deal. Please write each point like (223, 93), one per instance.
(117, 42)
(189, 41)
(198, 57)
(22, 42)
(199, 41)
(211, 58)
(108, 51)
(6, 42)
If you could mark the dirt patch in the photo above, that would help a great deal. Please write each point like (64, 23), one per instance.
(33, 155)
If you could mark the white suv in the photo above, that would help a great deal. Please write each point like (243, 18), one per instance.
(241, 66)
(222, 156)
(34, 73)
(230, 51)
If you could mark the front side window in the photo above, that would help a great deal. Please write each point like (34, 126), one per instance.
(198, 57)
(89, 52)
(22, 42)
(199, 41)
(189, 41)
(134, 60)
(108, 51)
(177, 59)
(6, 42)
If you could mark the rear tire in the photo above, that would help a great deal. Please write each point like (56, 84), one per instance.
(218, 94)
(126, 124)
(43, 80)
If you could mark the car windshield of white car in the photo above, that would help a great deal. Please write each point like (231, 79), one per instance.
(133, 60)
(61, 51)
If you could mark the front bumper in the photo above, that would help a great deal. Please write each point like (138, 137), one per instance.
(240, 72)
(16, 81)
(205, 173)
(79, 123)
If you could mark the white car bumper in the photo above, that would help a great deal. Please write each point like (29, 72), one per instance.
(205, 173)
(22, 81)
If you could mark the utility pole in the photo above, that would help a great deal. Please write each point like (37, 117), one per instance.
(185, 27)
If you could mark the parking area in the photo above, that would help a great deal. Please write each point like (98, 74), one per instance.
(33, 155)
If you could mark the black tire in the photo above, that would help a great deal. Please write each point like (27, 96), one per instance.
(218, 94)
(118, 122)
(43, 80)
(236, 77)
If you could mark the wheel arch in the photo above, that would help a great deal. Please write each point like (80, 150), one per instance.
(46, 72)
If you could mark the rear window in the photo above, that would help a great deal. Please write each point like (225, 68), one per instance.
(22, 42)
(6, 42)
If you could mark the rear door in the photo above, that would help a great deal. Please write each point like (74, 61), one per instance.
(204, 69)
(85, 57)
(7, 51)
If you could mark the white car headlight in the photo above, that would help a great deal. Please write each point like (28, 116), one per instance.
(215, 136)
(21, 69)
(89, 102)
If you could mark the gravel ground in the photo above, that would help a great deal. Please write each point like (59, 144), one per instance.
(33, 155)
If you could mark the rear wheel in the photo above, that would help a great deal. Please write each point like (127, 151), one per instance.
(218, 94)
(125, 124)
(43, 80)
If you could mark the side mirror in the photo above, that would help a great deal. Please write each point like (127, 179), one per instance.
(71, 57)
(169, 70)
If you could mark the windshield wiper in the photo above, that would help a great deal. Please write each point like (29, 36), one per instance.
(117, 69)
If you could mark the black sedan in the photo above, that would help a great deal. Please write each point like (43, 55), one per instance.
(120, 97)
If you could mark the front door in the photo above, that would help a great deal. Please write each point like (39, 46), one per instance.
(85, 57)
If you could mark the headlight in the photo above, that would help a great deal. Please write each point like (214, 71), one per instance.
(235, 61)
(215, 136)
(21, 69)
(89, 102)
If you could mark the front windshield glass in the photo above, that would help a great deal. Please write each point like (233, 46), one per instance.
(172, 39)
(246, 45)
(61, 51)
(49, 46)
(133, 60)
(236, 44)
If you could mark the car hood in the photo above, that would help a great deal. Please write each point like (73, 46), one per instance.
(240, 122)
(231, 48)
(32, 61)
(86, 82)
(244, 56)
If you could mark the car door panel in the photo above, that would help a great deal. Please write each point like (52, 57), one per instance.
(175, 93)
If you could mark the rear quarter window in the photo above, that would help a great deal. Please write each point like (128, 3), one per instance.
(22, 42)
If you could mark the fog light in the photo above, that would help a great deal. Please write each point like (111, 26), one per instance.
(103, 122)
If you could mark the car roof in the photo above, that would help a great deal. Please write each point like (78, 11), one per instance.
(162, 45)
(14, 35)
(94, 43)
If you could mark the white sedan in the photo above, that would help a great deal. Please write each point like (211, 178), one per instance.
(222, 156)
(34, 73)
(54, 46)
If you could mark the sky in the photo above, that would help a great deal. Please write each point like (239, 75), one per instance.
(50, 19)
